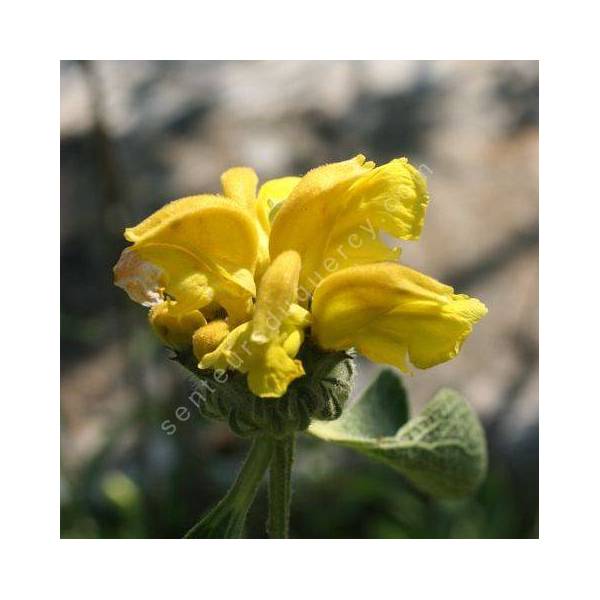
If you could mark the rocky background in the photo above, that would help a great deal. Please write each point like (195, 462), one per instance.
(137, 134)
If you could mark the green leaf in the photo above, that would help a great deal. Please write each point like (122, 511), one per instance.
(442, 451)
(380, 412)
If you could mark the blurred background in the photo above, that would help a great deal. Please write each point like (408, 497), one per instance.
(137, 134)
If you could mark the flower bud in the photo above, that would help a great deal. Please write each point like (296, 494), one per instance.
(207, 338)
(175, 330)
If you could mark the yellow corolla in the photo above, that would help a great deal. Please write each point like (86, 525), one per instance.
(242, 278)
(265, 346)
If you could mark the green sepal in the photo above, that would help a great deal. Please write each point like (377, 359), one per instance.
(320, 394)
(442, 451)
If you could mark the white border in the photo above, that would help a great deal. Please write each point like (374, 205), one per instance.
(38, 563)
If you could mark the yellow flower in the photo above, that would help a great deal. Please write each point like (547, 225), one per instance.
(265, 347)
(244, 277)
(193, 251)
(334, 215)
(388, 312)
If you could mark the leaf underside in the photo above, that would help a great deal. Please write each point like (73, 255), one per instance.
(442, 451)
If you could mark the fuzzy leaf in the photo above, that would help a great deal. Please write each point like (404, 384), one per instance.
(442, 451)
(380, 412)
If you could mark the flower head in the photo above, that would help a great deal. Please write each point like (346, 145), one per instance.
(243, 278)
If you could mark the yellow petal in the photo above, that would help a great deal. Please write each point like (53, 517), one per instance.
(304, 221)
(336, 213)
(277, 292)
(394, 197)
(239, 184)
(272, 375)
(175, 330)
(270, 367)
(265, 348)
(389, 312)
(297, 317)
(205, 249)
(292, 341)
(232, 352)
(270, 196)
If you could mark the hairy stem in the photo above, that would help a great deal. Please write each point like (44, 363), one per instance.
(228, 517)
(280, 489)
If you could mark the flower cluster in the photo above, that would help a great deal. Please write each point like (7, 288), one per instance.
(242, 278)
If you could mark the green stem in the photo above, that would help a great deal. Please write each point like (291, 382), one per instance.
(280, 489)
(228, 517)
